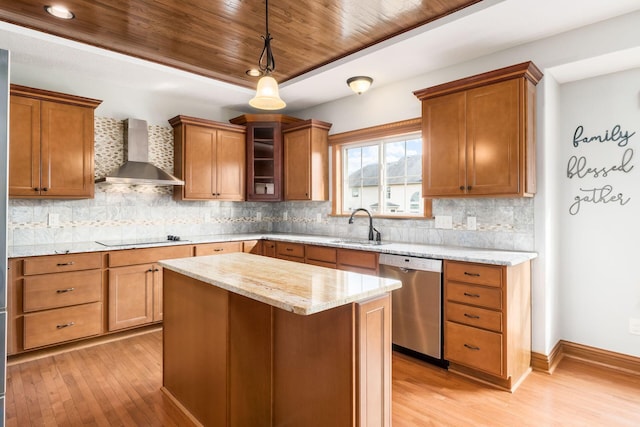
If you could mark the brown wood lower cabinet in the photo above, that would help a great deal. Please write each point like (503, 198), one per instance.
(135, 285)
(252, 246)
(290, 251)
(217, 248)
(322, 256)
(244, 362)
(363, 262)
(53, 299)
(487, 330)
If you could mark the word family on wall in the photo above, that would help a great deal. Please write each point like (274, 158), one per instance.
(594, 173)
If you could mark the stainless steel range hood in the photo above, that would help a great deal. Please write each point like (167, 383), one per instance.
(136, 168)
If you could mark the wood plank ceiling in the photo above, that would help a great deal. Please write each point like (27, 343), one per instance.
(221, 39)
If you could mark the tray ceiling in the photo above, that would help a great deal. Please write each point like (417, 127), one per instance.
(222, 39)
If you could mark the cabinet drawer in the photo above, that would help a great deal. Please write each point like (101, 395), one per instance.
(479, 274)
(320, 253)
(147, 255)
(62, 324)
(321, 263)
(474, 316)
(218, 248)
(61, 263)
(473, 347)
(60, 290)
(476, 295)
(362, 261)
(286, 250)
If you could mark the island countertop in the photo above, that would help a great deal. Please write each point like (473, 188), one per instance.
(299, 288)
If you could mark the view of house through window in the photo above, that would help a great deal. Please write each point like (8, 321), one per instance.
(384, 176)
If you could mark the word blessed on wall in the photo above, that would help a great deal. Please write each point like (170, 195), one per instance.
(580, 167)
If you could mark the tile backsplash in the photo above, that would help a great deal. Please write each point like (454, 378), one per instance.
(140, 211)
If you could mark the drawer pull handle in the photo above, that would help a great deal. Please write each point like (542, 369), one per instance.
(62, 264)
(472, 347)
(65, 325)
(288, 249)
(467, 294)
(218, 250)
(471, 316)
(466, 273)
(64, 291)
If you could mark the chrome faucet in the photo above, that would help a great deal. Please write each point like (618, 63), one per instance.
(378, 237)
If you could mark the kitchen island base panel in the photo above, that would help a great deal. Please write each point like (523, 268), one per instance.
(231, 360)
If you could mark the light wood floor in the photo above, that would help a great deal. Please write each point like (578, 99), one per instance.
(118, 384)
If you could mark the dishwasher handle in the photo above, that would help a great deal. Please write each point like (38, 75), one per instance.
(411, 263)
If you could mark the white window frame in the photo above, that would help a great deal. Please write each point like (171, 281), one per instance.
(363, 137)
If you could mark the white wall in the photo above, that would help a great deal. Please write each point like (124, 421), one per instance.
(599, 274)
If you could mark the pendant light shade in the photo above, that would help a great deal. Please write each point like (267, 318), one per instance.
(267, 95)
(359, 84)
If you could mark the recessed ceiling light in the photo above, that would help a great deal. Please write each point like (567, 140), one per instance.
(254, 72)
(59, 12)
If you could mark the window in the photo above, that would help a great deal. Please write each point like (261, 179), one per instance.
(380, 169)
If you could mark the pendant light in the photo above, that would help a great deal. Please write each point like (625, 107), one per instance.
(267, 95)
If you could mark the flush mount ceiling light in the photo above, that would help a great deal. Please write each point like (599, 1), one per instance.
(59, 12)
(359, 84)
(267, 96)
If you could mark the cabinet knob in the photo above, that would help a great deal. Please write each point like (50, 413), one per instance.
(36, 189)
(45, 189)
(462, 188)
(469, 188)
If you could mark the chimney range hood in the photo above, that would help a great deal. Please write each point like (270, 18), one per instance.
(136, 168)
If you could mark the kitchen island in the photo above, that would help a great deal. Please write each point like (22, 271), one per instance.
(257, 341)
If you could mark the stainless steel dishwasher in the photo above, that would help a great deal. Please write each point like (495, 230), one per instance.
(417, 306)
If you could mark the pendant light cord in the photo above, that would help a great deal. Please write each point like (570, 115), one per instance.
(266, 56)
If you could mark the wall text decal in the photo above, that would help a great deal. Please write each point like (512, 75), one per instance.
(617, 135)
(579, 167)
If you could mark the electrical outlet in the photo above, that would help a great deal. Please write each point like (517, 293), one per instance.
(318, 218)
(53, 220)
(634, 326)
(258, 216)
(471, 223)
(285, 215)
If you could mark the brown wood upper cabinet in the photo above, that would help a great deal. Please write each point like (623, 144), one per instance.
(478, 134)
(264, 154)
(210, 157)
(50, 144)
(306, 164)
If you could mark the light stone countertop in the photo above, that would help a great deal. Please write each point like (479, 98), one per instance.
(454, 253)
(299, 288)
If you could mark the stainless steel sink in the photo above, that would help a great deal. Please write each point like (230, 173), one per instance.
(358, 242)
